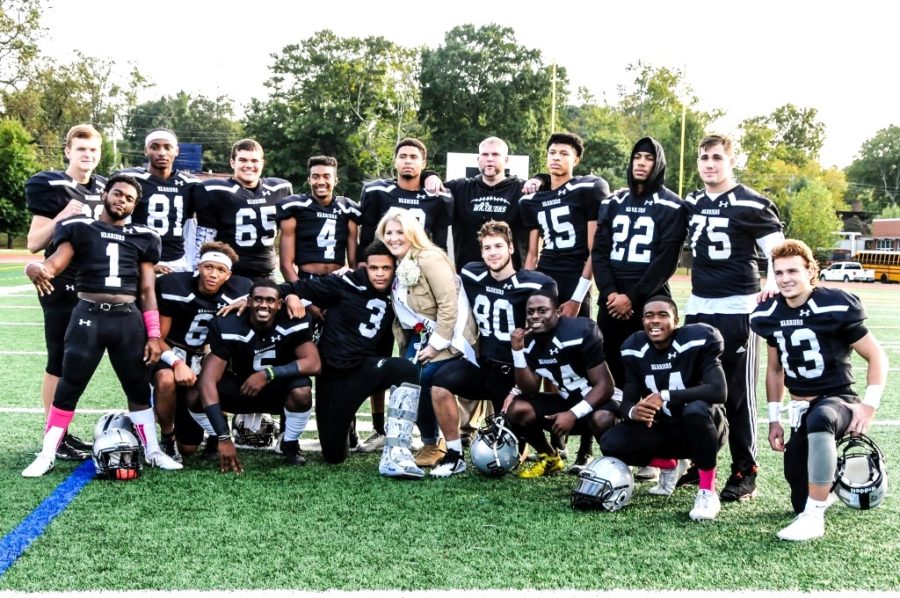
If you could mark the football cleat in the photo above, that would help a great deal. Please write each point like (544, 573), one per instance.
(581, 461)
(38, 467)
(372, 443)
(70, 451)
(291, 451)
(740, 486)
(706, 506)
(646, 474)
(668, 478)
(805, 526)
(545, 465)
(160, 460)
(170, 447)
(451, 464)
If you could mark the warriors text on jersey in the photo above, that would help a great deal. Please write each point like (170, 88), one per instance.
(562, 215)
(243, 218)
(680, 368)
(638, 243)
(165, 206)
(813, 340)
(723, 234)
(357, 321)
(499, 305)
(107, 258)
(191, 310)
(433, 211)
(247, 350)
(565, 356)
(475, 203)
(321, 233)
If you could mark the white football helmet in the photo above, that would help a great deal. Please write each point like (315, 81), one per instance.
(117, 455)
(606, 483)
(112, 420)
(495, 448)
(257, 430)
(861, 480)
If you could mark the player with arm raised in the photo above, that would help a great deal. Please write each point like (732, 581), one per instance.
(728, 224)
(51, 197)
(114, 262)
(811, 333)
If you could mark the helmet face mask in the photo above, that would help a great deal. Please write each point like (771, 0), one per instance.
(495, 448)
(606, 483)
(256, 430)
(117, 455)
(860, 480)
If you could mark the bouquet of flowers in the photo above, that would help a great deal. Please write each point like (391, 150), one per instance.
(408, 271)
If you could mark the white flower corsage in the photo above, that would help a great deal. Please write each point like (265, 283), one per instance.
(408, 271)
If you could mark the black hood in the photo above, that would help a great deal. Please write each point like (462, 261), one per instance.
(657, 177)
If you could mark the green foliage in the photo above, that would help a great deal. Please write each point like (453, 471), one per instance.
(194, 118)
(17, 163)
(351, 98)
(606, 146)
(20, 28)
(878, 169)
(482, 82)
(810, 215)
(790, 135)
(890, 212)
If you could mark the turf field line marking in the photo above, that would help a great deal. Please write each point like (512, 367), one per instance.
(23, 352)
(41, 324)
(16, 290)
(20, 306)
(32, 527)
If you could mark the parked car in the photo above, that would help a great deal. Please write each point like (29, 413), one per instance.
(847, 272)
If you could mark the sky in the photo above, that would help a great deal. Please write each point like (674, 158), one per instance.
(745, 58)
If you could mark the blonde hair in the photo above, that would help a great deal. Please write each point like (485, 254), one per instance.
(796, 247)
(413, 230)
(82, 132)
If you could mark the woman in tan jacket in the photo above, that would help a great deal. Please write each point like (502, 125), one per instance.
(426, 296)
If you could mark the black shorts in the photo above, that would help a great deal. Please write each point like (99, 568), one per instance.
(546, 403)
(489, 381)
(270, 399)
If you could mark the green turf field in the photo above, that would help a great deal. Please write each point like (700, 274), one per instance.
(344, 527)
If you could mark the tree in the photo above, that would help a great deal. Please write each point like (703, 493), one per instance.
(194, 118)
(482, 82)
(811, 217)
(350, 98)
(606, 147)
(20, 28)
(878, 169)
(17, 162)
(790, 134)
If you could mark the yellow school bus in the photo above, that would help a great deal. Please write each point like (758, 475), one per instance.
(885, 263)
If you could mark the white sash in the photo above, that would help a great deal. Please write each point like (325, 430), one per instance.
(408, 318)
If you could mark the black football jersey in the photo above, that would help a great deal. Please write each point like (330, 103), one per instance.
(165, 206)
(562, 216)
(107, 258)
(695, 350)
(638, 243)
(433, 211)
(357, 321)
(565, 357)
(322, 231)
(474, 203)
(499, 305)
(48, 192)
(246, 350)
(723, 234)
(813, 340)
(243, 218)
(178, 298)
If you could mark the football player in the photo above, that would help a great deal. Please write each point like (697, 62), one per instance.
(114, 264)
(811, 333)
(407, 191)
(565, 216)
(241, 210)
(728, 222)
(259, 362)
(168, 204)
(355, 346)
(52, 196)
(567, 353)
(672, 403)
(497, 294)
(187, 302)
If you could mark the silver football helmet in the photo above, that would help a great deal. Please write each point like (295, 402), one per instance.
(606, 483)
(117, 455)
(257, 430)
(861, 480)
(495, 448)
(112, 420)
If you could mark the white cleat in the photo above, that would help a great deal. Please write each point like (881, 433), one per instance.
(806, 526)
(646, 474)
(706, 506)
(452, 464)
(38, 467)
(668, 479)
(162, 461)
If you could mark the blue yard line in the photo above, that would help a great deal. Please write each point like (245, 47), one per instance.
(32, 527)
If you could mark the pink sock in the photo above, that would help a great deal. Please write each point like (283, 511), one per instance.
(663, 463)
(57, 418)
(708, 479)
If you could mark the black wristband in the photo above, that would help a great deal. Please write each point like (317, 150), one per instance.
(217, 421)
(288, 370)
